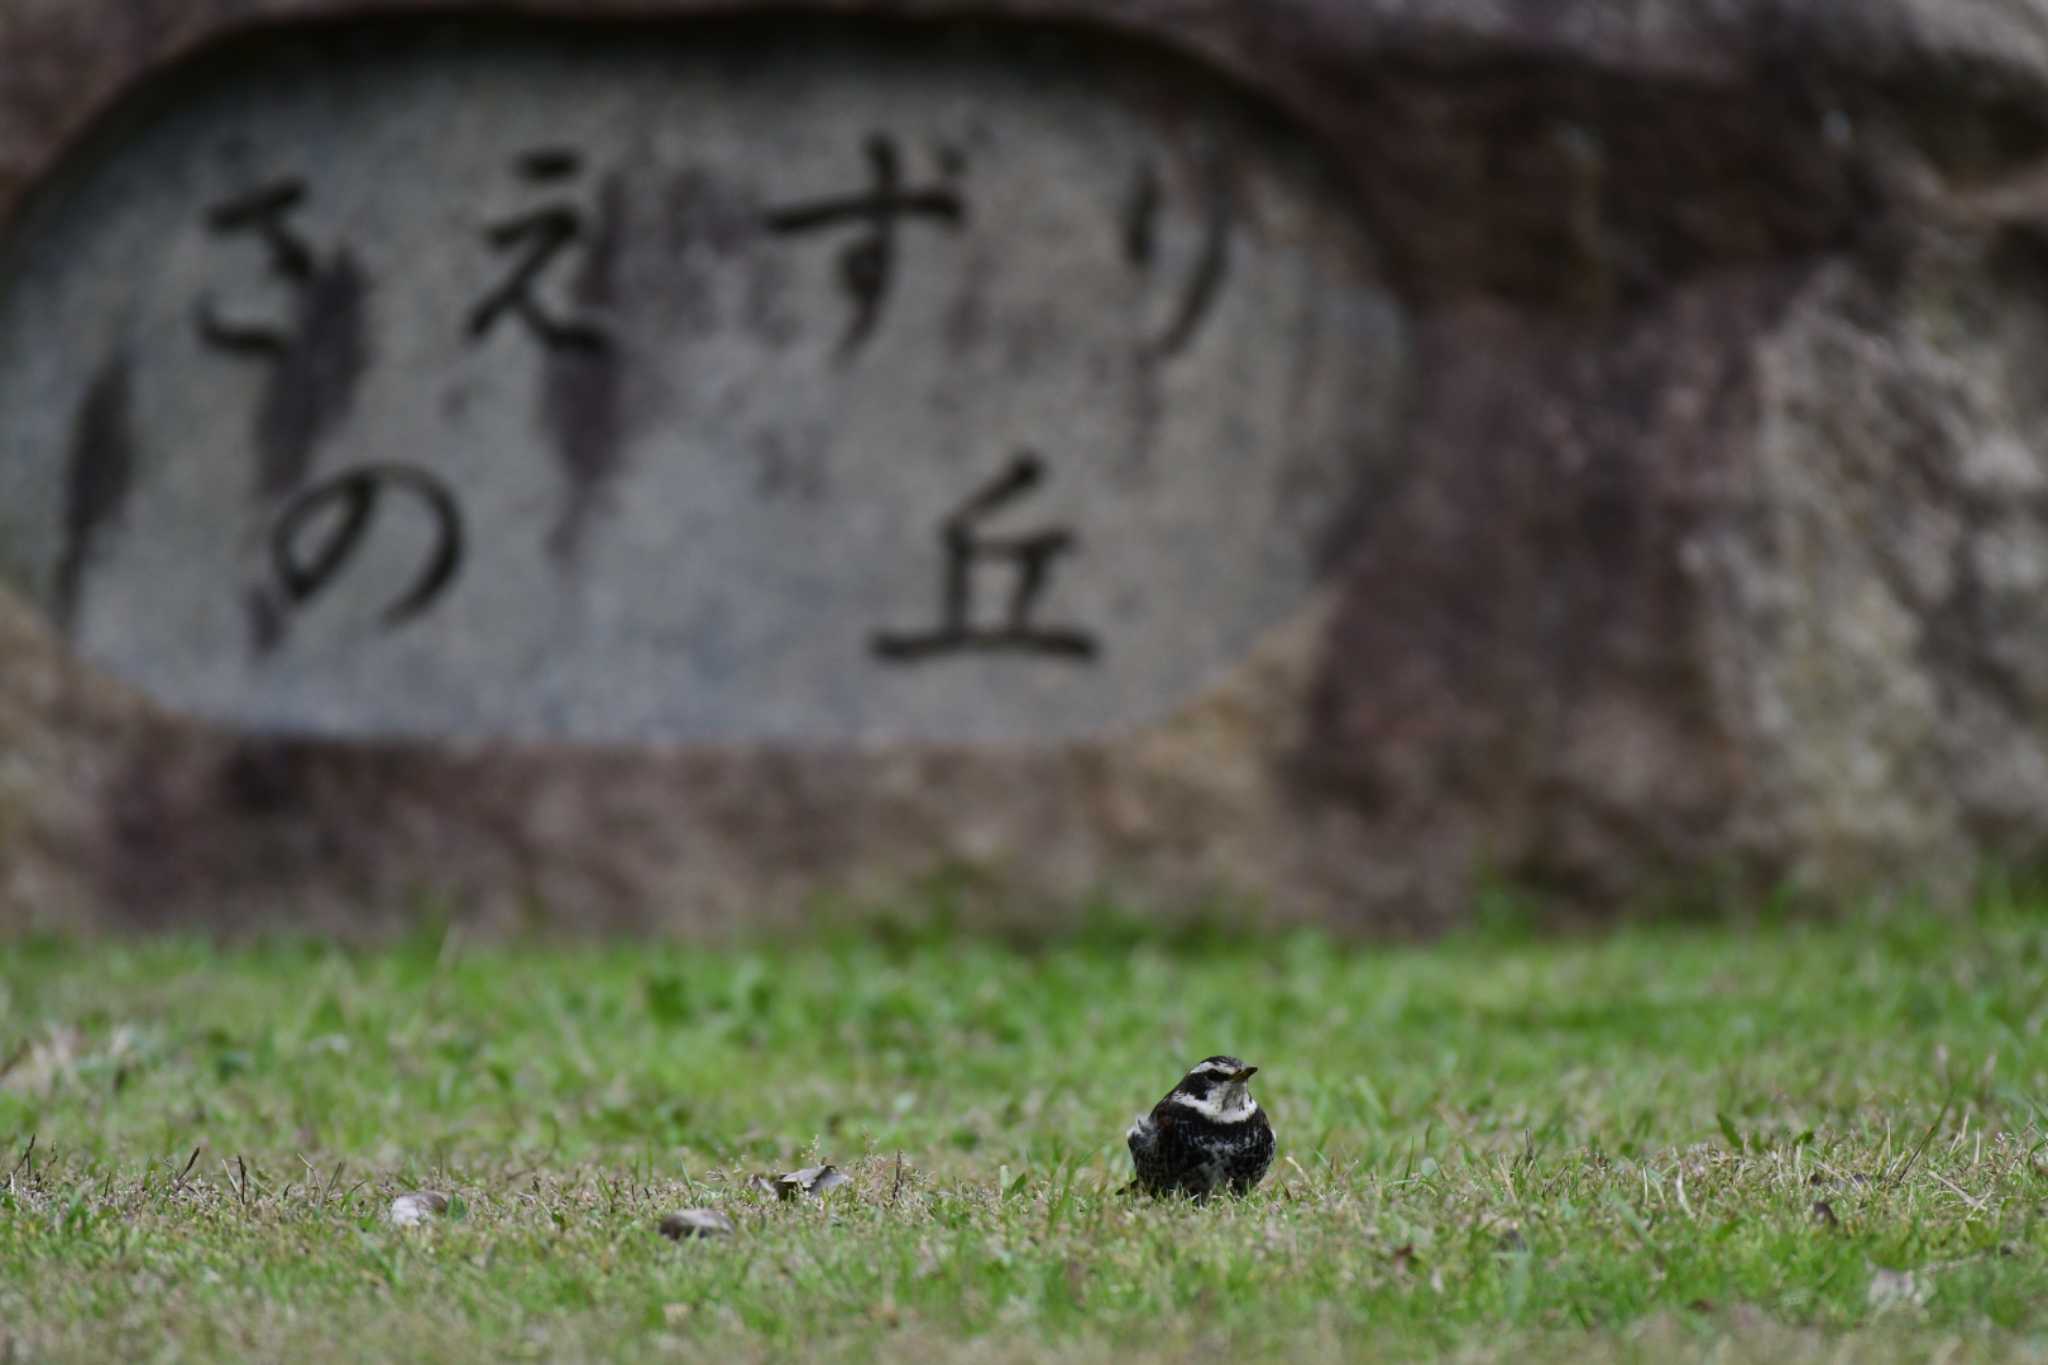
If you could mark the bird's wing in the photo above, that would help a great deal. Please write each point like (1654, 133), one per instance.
(1150, 1127)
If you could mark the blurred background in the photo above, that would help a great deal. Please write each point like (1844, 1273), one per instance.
(1311, 464)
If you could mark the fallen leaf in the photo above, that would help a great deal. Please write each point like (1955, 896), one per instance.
(695, 1223)
(810, 1180)
(409, 1210)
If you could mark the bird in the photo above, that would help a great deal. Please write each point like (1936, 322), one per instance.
(1207, 1134)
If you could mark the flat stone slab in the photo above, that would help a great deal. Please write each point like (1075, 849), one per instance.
(714, 386)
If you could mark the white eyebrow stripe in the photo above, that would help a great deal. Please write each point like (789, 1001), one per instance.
(1210, 1107)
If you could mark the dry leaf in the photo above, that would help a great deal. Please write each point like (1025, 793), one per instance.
(810, 1180)
(695, 1223)
(409, 1210)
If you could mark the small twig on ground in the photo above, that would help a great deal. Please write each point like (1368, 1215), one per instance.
(1972, 1200)
(27, 1157)
(451, 946)
(179, 1184)
(896, 1184)
(1913, 1157)
(332, 1181)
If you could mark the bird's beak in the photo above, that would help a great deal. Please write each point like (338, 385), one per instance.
(1245, 1074)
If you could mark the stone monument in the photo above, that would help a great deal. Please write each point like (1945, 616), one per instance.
(672, 464)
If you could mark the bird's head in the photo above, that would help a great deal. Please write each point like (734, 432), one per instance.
(1217, 1088)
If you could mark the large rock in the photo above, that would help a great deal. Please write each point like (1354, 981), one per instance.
(1684, 534)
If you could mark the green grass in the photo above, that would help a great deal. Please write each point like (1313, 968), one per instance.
(1493, 1148)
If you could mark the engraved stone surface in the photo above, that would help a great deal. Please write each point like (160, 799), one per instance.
(1704, 560)
(735, 384)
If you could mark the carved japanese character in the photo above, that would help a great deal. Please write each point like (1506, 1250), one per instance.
(966, 547)
(867, 264)
(305, 569)
(538, 237)
(316, 357)
(1212, 261)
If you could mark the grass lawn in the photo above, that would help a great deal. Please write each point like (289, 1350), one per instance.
(1675, 1142)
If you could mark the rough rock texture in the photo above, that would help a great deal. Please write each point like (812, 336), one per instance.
(1719, 563)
